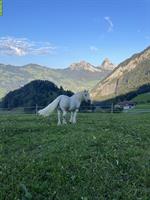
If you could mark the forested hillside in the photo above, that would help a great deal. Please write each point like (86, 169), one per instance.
(36, 92)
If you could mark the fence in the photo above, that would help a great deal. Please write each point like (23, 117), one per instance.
(94, 108)
(21, 110)
(34, 109)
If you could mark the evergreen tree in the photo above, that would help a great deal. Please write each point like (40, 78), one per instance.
(37, 92)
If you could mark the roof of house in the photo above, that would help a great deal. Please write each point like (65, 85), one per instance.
(126, 103)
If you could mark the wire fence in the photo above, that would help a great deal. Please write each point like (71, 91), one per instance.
(84, 109)
(36, 108)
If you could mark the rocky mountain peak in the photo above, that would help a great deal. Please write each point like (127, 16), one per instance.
(83, 65)
(128, 76)
(107, 65)
(106, 61)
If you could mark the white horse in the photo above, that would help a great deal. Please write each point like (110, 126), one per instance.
(63, 104)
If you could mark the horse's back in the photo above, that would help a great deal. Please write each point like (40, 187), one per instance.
(64, 102)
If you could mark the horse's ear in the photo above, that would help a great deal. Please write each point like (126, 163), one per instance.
(85, 91)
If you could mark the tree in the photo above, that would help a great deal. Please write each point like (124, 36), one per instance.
(36, 92)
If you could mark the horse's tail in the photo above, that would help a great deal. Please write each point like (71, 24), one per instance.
(50, 108)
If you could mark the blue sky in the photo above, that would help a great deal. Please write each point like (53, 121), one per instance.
(56, 33)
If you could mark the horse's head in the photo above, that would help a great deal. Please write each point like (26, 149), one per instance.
(86, 96)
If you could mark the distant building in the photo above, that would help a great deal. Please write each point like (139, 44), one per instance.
(125, 105)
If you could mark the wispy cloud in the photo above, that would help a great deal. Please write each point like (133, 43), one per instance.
(110, 23)
(94, 49)
(23, 46)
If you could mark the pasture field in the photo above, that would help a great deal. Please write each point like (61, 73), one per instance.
(142, 98)
(143, 106)
(1, 7)
(140, 108)
(105, 156)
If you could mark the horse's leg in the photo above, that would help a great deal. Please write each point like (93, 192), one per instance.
(59, 116)
(75, 116)
(71, 117)
(64, 117)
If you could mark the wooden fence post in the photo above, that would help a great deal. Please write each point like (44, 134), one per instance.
(112, 108)
(36, 109)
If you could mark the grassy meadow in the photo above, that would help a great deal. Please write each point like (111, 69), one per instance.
(1, 7)
(142, 98)
(105, 156)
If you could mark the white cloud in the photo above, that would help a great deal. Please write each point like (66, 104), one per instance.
(110, 23)
(94, 49)
(22, 46)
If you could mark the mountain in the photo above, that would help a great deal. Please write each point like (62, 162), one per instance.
(36, 92)
(126, 77)
(77, 76)
(83, 66)
(107, 65)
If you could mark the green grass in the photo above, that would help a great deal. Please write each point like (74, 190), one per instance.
(143, 106)
(104, 156)
(1, 8)
(142, 98)
(139, 108)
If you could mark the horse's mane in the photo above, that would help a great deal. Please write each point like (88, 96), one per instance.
(78, 93)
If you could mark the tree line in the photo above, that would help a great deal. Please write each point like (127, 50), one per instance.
(37, 92)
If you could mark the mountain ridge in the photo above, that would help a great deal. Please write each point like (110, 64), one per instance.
(83, 65)
(127, 76)
(107, 65)
(84, 77)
